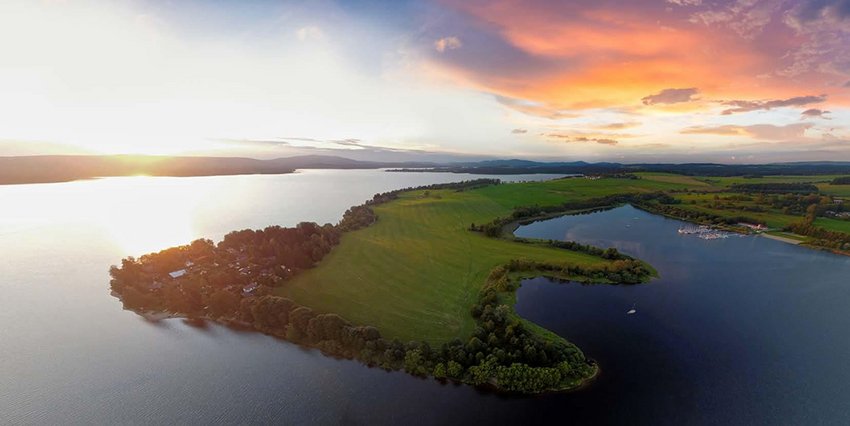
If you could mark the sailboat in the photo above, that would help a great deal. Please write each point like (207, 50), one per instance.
(632, 310)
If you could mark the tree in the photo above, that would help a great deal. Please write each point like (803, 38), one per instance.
(414, 363)
(440, 371)
(454, 370)
(223, 303)
(811, 213)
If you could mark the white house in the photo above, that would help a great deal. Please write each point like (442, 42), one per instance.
(250, 288)
(177, 274)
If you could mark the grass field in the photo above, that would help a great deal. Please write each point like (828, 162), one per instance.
(833, 224)
(836, 190)
(416, 272)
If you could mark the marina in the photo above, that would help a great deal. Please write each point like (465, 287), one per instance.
(705, 232)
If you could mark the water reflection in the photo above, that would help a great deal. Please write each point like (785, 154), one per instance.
(70, 354)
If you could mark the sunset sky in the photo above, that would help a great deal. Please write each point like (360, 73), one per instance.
(603, 80)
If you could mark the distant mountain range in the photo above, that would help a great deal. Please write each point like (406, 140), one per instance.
(61, 168)
(701, 169)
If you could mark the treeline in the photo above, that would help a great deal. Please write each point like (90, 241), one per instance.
(797, 204)
(697, 216)
(625, 271)
(690, 169)
(843, 180)
(821, 237)
(610, 253)
(494, 228)
(777, 187)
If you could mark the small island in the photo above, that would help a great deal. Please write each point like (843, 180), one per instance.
(424, 279)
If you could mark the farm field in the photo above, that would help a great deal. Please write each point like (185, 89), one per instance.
(416, 272)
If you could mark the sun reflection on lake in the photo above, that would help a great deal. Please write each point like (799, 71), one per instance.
(143, 215)
(139, 214)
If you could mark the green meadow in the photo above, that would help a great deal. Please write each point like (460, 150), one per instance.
(418, 270)
(833, 224)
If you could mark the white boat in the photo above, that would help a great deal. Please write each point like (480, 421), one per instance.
(631, 311)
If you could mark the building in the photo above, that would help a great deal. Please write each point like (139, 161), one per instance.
(250, 288)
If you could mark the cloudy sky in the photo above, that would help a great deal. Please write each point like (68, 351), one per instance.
(626, 80)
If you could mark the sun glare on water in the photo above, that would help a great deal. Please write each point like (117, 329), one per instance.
(145, 214)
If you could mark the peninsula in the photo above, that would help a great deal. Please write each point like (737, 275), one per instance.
(423, 279)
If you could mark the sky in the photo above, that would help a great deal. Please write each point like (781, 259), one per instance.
(732, 81)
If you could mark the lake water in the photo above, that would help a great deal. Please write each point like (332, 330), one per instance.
(743, 330)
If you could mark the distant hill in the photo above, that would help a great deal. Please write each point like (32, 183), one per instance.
(693, 169)
(61, 168)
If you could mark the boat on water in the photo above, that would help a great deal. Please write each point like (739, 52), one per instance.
(704, 232)
(631, 311)
(691, 230)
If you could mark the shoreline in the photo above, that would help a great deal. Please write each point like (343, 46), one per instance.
(781, 238)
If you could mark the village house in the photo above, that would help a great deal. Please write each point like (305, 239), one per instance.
(250, 288)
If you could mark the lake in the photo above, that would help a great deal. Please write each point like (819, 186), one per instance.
(741, 330)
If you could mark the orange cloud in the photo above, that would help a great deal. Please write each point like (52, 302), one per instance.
(757, 131)
(585, 54)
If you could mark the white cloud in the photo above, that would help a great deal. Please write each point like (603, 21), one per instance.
(685, 2)
(309, 33)
(447, 43)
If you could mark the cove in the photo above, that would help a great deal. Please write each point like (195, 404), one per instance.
(737, 330)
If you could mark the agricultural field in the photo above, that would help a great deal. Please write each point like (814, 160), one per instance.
(835, 190)
(416, 272)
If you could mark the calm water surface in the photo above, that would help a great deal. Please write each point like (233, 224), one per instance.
(744, 330)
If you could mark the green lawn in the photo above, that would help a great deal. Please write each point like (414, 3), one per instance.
(836, 190)
(833, 224)
(416, 272)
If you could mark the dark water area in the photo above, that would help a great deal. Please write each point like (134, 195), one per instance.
(743, 330)
(736, 331)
